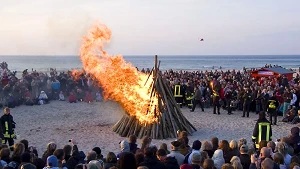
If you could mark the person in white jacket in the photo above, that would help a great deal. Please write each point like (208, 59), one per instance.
(293, 101)
(218, 158)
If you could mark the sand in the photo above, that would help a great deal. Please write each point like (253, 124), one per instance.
(91, 125)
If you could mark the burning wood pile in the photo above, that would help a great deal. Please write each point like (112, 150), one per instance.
(167, 112)
(147, 99)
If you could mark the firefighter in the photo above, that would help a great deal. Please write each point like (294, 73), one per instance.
(247, 101)
(262, 130)
(215, 86)
(8, 126)
(272, 109)
(228, 97)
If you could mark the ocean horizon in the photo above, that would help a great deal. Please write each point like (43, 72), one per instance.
(176, 62)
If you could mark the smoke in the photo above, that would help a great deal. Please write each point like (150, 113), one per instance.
(66, 29)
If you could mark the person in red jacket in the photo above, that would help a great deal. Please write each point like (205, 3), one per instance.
(88, 97)
(72, 98)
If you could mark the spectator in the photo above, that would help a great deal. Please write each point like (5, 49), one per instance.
(244, 156)
(218, 158)
(111, 160)
(175, 152)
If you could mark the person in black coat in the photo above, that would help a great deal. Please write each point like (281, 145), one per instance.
(75, 158)
(151, 161)
(273, 105)
(294, 139)
(228, 97)
(244, 156)
(8, 125)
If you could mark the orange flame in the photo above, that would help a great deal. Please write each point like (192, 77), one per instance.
(120, 80)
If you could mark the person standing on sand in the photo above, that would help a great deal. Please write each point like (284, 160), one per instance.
(8, 125)
(247, 101)
(262, 130)
(215, 85)
(197, 99)
(272, 109)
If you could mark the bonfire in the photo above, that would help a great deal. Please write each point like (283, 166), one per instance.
(146, 98)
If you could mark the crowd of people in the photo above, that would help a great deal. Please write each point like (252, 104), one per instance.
(237, 90)
(37, 88)
(206, 154)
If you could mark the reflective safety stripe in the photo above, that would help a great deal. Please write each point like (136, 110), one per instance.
(215, 94)
(177, 91)
(272, 104)
(3, 141)
(260, 125)
(253, 137)
(6, 135)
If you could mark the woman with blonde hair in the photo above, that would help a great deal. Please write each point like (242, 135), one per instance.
(236, 165)
(236, 162)
(51, 147)
(19, 149)
(233, 149)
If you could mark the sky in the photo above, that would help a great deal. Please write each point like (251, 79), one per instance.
(148, 27)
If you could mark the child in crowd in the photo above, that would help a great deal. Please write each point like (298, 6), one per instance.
(99, 96)
(88, 97)
(72, 98)
(43, 98)
(61, 96)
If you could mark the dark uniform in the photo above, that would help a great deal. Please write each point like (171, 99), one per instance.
(178, 94)
(262, 130)
(247, 101)
(228, 97)
(272, 109)
(8, 126)
(197, 99)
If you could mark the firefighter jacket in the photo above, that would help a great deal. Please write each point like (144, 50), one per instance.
(273, 103)
(262, 131)
(8, 126)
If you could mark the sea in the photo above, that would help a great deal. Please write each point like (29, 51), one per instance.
(189, 63)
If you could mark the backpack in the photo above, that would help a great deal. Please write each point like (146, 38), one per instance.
(186, 158)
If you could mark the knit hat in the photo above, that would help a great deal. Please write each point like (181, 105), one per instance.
(97, 150)
(244, 148)
(52, 161)
(196, 145)
(196, 158)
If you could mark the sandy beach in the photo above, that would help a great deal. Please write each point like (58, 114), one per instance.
(91, 125)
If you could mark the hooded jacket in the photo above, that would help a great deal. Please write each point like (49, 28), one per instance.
(124, 148)
(218, 158)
